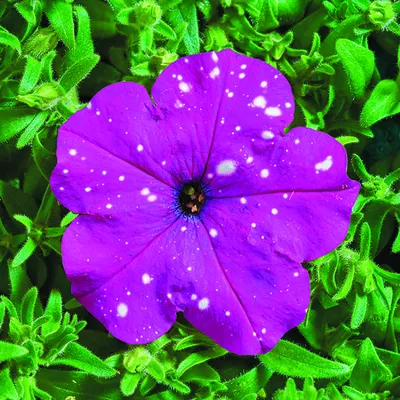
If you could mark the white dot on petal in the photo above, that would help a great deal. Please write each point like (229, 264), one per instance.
(296, 274)
(288, 105)
(249, 160)
(180, 77)
(139, 147)
(238, 128)
(263, 330)
(193, 297)
(186, 60)
(189, 268)
(214, 56)
(122, 310)
(88, 189)
(104, 172)
(145, 192)
(264, 173)
(73, 152)
(297, 141)
(65, 171)
(214, 73)
(243, 200)
(146, 279)
(274, 211)
(260, 102)
(285, 196)
(152, 198)
(203, 303)
(254, 334)
(242, 75)
(209, 176)
(109, 206)
(184, 87)
(61, 188)
(183, 229)
(230, 94)
(169, 295)
(273, 112)
(97, 112)
(228, 313)
(128, 293)
(253, 225)
(109, 119)
(226, 167)
(121, 178)
(243, 66)
(324, 165)
(263, 84)
(213, 232)
(267, 135)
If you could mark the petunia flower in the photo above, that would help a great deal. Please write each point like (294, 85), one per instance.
(194, 200)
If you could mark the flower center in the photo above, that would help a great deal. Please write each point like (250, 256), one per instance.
(191, 198)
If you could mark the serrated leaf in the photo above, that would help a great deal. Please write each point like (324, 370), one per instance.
(59, 14)
(359, 310)
(8, 39)
(13, 121)
(292, 360)
(25, 9)
(129, 383)
(28, 306)
(165, 30)
(54, 312)
(44, 159)
(24, 253)
(10, 351)
(31, 130)
(7, 386)
(31, 75)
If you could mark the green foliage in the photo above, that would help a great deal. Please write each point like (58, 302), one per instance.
(342, 58)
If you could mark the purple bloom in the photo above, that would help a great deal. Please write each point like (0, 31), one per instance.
(199, 203)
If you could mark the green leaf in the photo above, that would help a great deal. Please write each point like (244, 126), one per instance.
(347, 284)
(359, 64)
(156, 370)
(28, 306)
(7, 386)
(30, 132)
(165, 30)
(26, 11)
(290, 359)
(365, 241)
(129, 383)
(8, 39)
(345, 140)
(359, 310)
(369, 373)
(359, 168)
(14, 120)
(24, 253)
(59, 14)
(78, 71)
(54, 312)
(68, 219)
(383, 102)
(44, 159)
(79, 357)
(201, 373)
(9, 351)
(199, 358)
(2, 313)
(31, 75)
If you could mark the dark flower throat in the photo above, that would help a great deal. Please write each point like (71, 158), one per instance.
(191, 198)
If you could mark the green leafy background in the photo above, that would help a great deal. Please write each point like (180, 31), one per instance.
(342, 59)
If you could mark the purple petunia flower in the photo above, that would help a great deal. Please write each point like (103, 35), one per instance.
(197, 202)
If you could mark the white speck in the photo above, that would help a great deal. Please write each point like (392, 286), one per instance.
(249, 160)
(230, 94)
(73, 152)
(189, 268)
(296, 274)
(146, 279)
(109, 206)
(152, 198)
(104, 172)
(186, 60)
(145, 192)
(264, 173)
(273, 112)
(122, 310)
(183, 229)
(179, 77)
(61, 188)
(139, 147)
(174, 76)
(238, 128)
(213, 232)
(128, 293)
(65, 171)
(163, 163)
(214, 73)
(263, 330)
(254, 334)
(222, 120)
(194, 297)
(169, 295)
(184, 87)
(92, 170)
(267, 135)
(232, 73)
(243, 200)
(260, 102)
(275, 76)
(263, 84)
(242, 75)
(83, 158)
(121, 178)
(109, 119)
(253, 225)
(226, 167)
(243, 66)
(214, 56)
(97, 112)
(203, 303)
(288, 105)
(297, 141)
(179, 104)
(324, 165)
(274, 211)
(209, 176)
(88, 189)
(285, 196)
(228, 313)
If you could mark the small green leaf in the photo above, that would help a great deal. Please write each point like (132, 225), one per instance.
(14, 120)
(24, 252)
(44, 159)
(165, 30)
(9, 351)
(78, 71)
(28, 306)
(359, 64)
(59, 14)
(7, 386)
(383, 102)
(24, 220)
(31, 75)
(129, 383)
(25, 9)
(68, 219)
(359, 168)
(365, 241)
(345, 140)
(156, 370)
(347, 284)
(8, 39)
(54, 312)
(369, 372)
(31, 130)
(359, 310)
(290, 359)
